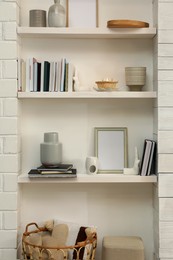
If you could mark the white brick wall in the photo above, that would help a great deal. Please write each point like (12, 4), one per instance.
(165, 134)
(9, 145)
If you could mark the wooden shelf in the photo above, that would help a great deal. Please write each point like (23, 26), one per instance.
(91, 94)
(90, 33)
(84, 178)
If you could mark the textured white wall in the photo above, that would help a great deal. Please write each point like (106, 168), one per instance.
(9, 147)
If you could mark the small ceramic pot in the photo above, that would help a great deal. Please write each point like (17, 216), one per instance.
(37, 18)
(51, 150)
(135, 77)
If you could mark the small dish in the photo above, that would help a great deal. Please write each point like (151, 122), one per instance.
(106, 85)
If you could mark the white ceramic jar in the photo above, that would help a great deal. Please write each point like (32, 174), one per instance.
(91, 165)
(135, 77)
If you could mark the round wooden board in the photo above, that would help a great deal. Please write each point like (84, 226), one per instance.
(126, 24)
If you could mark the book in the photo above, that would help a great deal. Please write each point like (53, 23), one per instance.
(34, 173)
(46, 76)
(59, 167)
(57, 76)
(38, 76)
(30, 73)
(145, 157)
(152, 160)
(71, 73)
(62, 81)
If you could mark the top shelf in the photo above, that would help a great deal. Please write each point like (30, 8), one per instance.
(89, 33)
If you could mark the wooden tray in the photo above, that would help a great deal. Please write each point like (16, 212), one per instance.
(126, 24)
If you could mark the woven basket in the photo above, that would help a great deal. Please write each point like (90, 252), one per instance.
(47, 253)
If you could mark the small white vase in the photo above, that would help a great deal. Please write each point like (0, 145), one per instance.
(57, 15)
(91, 165)
(51, 150)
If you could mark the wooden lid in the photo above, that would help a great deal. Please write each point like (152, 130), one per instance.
(126, 24)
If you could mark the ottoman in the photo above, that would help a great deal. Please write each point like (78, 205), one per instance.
(122, 248)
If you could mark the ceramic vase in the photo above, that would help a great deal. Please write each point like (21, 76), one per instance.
(135, 78)
(51, 150)
(57, 15)
(91, 165)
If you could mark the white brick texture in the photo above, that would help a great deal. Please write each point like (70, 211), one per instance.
(9, 31)
(1, 145)
(7, 11)
(8, 88)
(1, 182)
(0, 220)
(9, 182)
(9, 69)
(8, 254)
(8, 50)
(11, 144)
(8, 239)
(0, 31)
(9, 163)
(8, 201)
(10, 220)
(10, 107)
(1, 108)
(8, 126)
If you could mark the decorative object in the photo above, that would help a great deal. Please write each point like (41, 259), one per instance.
(51, 150)
(107, 85)
(135, 169)
(43, 243)
(77, 85)
(83, 14)
(57, 15)
(123, 247)
(92, 165)
(135, 77)
(126, 24)
(37, 18)
(111, 149)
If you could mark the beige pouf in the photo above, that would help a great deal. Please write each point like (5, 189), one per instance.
(122, 248)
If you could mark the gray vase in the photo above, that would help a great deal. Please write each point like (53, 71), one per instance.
(57, 15)
(51, 150)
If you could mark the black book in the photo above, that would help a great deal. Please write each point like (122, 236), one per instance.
(38, 76)
(152, 161)
(146, 157)
(34, 173)
(46, 76)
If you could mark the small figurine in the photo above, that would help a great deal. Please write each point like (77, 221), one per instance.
(77, 86)
(135, 169)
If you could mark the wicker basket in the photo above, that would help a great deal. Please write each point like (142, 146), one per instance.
(47, 253)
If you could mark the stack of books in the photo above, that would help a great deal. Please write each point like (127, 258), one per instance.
(148, 158)
(60, 171)
(43, 76)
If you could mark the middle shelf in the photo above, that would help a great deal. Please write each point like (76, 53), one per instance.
(91, 94)
(84, 178)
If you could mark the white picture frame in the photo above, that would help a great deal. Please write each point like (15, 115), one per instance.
(111, 149)
(82, 13)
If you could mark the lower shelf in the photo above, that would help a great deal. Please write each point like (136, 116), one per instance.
(100, 178)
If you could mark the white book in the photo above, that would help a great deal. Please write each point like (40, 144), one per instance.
(27, 75)
(19, 75)
(63, 62)
(42, 77)
(58, 76)
(35, 73)
(23, 75)
(52, 76)
(71, 72)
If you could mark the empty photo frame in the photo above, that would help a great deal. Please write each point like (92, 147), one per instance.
(111, 149)
(82, 13)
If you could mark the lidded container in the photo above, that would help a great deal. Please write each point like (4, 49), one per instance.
(51, 150)
(56, 15)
